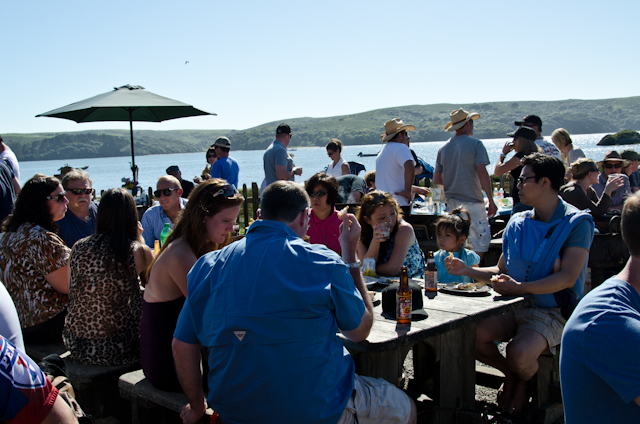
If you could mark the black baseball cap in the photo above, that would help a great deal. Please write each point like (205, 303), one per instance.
(389, 301)
(524, 132)
(530, 119)
(172, 168)
(283, 129)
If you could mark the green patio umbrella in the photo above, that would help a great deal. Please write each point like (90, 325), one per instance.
(126, 103)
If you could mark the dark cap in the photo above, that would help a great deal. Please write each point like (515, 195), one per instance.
(221, 142)
(530, 119)
(283, 129)
(629, 154)
(389, 300)
(172, 168)
(524, 132)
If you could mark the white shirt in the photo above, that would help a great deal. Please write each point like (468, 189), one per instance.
(390, 169)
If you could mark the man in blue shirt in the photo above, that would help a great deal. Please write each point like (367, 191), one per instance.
(268, 309)
(225, 167)
(80, 219)
(599, 367)
(532, 243)
(167, 211)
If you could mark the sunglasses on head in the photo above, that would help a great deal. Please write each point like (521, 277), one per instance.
(58, 197)
(228, 190)
(319, 193)
(79, 191)
(378, 198)
(616, 165)
(165, 191)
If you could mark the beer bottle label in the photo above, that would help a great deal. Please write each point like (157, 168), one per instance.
(404, 308)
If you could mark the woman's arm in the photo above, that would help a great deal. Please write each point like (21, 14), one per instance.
(598, 207)
(59, 279)
(403, 240)
(142, 256)
(345, 168)
(503, 168)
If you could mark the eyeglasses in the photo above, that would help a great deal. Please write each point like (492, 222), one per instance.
(165, 191)
(79, 191)
(521, 180)
(616, 165)
(319, 193)
(58, 197)
(228, 190)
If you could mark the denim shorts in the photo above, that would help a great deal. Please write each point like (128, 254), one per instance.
(375, 400)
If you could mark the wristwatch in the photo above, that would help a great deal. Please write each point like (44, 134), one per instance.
(356, 264)
(502, 156)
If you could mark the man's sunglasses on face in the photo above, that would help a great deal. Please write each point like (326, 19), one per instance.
(165, 191)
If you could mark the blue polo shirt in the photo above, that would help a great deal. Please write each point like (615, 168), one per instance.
(71, 228)
(268, 307)
(226, 168)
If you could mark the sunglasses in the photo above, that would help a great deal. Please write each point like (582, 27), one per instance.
(58, 197)
(211, 156)
(378, 198)
(319, 193)
(330, 153)
(616, 165)
(79, 191)
(228, 190)
(165, 191)
(522, 180)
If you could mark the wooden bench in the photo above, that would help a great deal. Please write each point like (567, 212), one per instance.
(151, 405)
(95, 386)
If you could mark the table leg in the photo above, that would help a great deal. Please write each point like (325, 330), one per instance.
(387, 365)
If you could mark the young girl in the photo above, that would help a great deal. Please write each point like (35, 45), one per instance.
(452, 231)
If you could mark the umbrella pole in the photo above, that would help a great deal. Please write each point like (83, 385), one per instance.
(134, 168)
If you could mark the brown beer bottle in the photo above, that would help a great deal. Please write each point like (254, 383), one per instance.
(431, 274)
(403, 299)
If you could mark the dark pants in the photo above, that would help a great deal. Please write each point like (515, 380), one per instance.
(49, 331)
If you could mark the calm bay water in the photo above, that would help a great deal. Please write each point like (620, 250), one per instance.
(107, 172)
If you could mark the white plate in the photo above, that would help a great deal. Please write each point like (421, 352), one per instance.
(391, 280)
(453, 289)
(369, 281)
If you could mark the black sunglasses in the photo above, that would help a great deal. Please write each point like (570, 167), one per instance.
(319, 193)
(211, 156)
(613, 165)
(165, 191)
(58, 197)
(228, 190)
(378, 198)
(79, 191)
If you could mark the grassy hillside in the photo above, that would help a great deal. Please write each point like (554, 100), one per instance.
(577, 116)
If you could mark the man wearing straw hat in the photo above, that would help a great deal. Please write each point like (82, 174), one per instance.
(395, 167)
(461, 168)
(612, 166)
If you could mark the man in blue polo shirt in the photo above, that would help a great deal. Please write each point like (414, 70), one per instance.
(225, 167)
(274, 355)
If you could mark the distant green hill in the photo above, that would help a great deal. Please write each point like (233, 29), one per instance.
(576, 116)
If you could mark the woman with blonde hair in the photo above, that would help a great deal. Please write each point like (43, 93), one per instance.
(339, 166)
(563, 142)
(524, 143)
(386, 237)
(205, 225)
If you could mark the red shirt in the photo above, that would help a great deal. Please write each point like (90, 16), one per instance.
(325, 231)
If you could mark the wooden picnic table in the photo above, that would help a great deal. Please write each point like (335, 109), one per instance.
(443, 345)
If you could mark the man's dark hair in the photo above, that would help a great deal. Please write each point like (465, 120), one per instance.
(631, 224)
(31, 205)
(331, 184)
(283, 201)
(546, 166)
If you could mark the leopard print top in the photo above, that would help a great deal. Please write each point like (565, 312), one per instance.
(26, 257)
(105, 305)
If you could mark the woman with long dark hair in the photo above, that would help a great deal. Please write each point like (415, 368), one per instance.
(386, 237)
(324, 224)
(205, 225)
(34, 260)
(105, 294)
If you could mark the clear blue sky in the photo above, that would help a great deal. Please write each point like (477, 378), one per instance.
(253, 62)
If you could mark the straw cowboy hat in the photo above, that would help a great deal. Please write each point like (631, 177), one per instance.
(393, 127)
(459, 118)
(614, 156)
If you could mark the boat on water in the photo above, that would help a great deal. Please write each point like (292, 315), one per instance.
(65, 169)
(363, 155)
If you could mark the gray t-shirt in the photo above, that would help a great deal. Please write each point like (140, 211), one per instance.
(348, 184)
(457, 161)
(276, 154)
